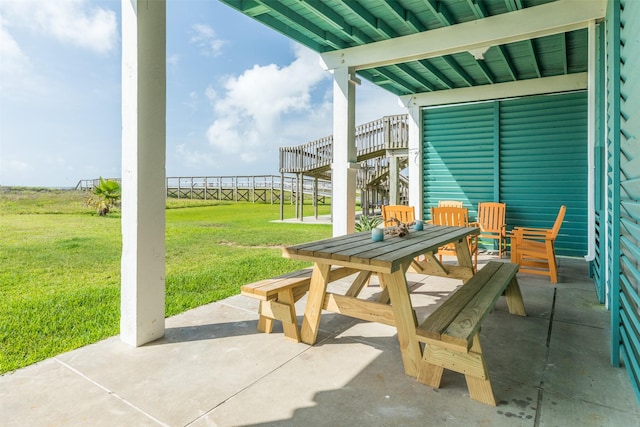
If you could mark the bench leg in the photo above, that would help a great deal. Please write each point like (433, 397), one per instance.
(480, 387)
(282, 309)
(514, 298)
(471, 364)
(265, 324)
(290, 322)
(429, 373)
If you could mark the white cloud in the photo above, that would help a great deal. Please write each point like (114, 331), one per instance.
(195, 158)
(14, 61)
(257, 107)
(206, 39)
(76, 22)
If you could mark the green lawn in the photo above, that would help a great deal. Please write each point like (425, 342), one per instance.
(60, 265)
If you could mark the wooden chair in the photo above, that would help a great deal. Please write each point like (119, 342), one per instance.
(492, 223)
(403, 213)
(457, 217)
(450, 203)
(534, 248)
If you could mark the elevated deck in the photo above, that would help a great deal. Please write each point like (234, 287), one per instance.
(376, 143)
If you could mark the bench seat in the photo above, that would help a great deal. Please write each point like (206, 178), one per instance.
(451, 332)
(278, 296)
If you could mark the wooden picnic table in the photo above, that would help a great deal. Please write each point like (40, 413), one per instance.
(390, 259)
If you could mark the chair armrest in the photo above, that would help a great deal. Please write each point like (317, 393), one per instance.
(530, 233)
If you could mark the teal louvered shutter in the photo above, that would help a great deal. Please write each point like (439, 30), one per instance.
(459, 160)
(543, 159)
(530, 153)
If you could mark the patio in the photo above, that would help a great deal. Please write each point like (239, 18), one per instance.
(213, 368)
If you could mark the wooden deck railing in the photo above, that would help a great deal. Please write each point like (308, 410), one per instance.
(250, 188)
(373, 139)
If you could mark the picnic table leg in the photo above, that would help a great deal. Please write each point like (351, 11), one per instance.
(514, 298)
(463, 254)
(361, 280)
(315, 302)
(405, 319)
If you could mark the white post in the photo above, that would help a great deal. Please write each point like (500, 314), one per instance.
(345, 165)
(415, 160)
(143, 170)
(591, 141)
(394, 181)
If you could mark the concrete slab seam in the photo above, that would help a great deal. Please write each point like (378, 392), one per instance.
(110, 392)
(536, 421)
(241, 390)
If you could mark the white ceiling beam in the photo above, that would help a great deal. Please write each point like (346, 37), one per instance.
(533, 22)
(545, 85)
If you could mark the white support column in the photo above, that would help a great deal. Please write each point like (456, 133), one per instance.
(143, 170)
(415, 159)
(345, 165)
(591, 142)
(394, 181)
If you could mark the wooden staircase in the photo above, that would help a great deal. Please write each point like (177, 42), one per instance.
(376, 143)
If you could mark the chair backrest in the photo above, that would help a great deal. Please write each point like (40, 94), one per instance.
(492, 216)
(556, 225)
(449, 215)
(405, 214)
(452, 203)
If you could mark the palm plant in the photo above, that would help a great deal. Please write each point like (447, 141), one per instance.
(105, 196)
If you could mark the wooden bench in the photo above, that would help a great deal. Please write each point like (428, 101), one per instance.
(451, 332)
(278, 296)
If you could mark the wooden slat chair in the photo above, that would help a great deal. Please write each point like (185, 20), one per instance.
(405, 214)
(450, 203)
(492, 223)
(455, 217)
(534, 248)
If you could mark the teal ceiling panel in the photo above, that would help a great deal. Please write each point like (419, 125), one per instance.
(334, 24)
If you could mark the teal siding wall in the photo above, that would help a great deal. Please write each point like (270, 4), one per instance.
(530, 153)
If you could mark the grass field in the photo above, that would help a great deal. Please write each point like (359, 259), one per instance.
(60, 264)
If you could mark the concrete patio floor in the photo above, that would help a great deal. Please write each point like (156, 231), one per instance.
(212, 368)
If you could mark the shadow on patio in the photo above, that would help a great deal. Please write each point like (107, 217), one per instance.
(213, 368)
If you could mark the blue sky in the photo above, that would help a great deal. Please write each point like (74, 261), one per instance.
(236, 91)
